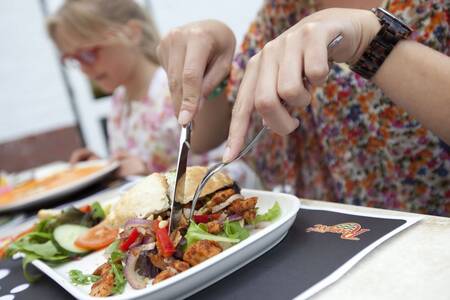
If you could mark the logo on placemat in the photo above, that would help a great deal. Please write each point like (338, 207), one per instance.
(348, 231)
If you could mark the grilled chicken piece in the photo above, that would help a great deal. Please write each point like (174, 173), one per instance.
(249, 215)
(169, 272)
(214, 227)
(200, 251)
(102, 269)
(220, 197)
(158, 261)
(180, 266)
(240, 205)
(104, 286)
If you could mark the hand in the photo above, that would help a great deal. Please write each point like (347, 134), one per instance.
(82, 154)
(279, 71)
(129, 165)
(196, 57)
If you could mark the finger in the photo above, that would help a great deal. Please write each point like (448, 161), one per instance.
(267, 102)
(175, 67)
(197, 54)
(242, 111)
(79, 155)
(216, 71)
(291, 87)
(316, 60)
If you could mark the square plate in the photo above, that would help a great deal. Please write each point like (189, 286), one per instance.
(201, 275)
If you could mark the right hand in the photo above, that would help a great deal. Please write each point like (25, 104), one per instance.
(196, 57)
(82, 154)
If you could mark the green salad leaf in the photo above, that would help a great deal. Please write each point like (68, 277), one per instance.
(97, 211)
(78, 278)
(273, 213)
(199, 232)
(234, 230)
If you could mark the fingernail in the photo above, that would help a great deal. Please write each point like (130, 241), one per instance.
(184, 117)
(227, 154)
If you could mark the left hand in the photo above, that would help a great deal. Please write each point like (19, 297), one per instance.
(129, 165)
(278, 72)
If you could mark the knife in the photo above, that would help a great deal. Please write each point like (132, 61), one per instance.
(180, 176)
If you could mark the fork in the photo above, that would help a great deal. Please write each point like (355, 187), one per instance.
(217, 167)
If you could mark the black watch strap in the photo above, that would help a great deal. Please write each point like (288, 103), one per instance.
(392, 30)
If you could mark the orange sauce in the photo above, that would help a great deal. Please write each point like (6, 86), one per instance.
(57, 180)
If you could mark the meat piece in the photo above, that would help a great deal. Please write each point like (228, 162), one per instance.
(102, 269)
(249, 215)
(169, 272)
(104, 286)
(200, 251)
(240, 205)
(220, 197)
(214, 227)
(180, 266)
(158, 261)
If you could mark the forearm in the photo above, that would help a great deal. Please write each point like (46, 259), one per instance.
(211, 124)
(417, 78)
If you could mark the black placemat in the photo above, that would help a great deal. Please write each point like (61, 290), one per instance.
(301, 260)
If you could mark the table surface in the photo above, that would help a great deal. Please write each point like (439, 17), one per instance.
(414, 264)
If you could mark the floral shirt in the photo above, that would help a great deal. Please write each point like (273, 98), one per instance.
(147, 128)
(354, 144)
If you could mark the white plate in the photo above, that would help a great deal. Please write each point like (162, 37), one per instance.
(53, 194)
(199, 276)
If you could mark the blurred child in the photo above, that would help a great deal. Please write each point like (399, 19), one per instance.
(114, 42)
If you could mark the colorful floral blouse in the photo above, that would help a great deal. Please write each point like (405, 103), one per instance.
(147, 128)
(354, 145)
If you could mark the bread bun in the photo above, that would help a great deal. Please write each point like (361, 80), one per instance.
(148, 196)
(194, 175)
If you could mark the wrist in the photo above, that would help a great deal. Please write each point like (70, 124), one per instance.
(369, 27)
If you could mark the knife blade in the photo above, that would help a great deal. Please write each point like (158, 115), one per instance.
(180, 176)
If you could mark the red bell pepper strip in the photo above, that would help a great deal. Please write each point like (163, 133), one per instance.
(130, 240)
(205, 218)
(165, 245)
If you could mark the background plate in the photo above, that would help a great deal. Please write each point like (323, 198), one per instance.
(53, 194)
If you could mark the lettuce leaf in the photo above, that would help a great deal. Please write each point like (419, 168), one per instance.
(273, 213)
(198, 232)
(234, 230)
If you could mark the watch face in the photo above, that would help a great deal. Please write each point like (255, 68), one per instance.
(381, 12)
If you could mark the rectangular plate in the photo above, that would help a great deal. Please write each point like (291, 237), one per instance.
(201, 275)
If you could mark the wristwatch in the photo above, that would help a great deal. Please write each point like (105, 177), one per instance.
(392, 30)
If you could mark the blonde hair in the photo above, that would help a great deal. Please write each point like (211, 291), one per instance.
(90, 18)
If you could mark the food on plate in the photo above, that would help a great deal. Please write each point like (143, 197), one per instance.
(52, 238)
(145, 253)
(140, 251)
(32, 187)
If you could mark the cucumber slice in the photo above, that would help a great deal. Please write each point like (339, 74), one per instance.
(65, 235)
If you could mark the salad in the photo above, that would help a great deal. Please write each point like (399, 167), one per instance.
(140, 251)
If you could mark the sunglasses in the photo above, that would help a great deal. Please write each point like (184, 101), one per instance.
(84, 57)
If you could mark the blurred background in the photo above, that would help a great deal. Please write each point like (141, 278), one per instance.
(48, 110)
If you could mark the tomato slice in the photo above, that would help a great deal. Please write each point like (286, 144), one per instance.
(85, 208)
(97, 237)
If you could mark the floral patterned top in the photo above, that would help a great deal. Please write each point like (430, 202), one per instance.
(147, 128)
(354, 145)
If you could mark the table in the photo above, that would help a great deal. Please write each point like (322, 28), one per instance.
(415, 264)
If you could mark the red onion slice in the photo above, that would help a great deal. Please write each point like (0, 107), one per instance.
(134, 279)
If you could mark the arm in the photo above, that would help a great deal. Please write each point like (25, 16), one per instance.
(417, 78)
(280, 71)
(197, 57)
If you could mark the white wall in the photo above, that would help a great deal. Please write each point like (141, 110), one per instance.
(33, 98)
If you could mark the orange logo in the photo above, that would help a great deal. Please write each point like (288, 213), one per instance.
(348, 231)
